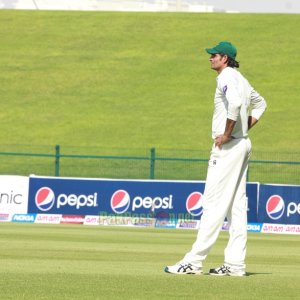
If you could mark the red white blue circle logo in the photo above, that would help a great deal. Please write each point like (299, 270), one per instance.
(44, 199)
(275, 207)
(120, 201)
(194, 204)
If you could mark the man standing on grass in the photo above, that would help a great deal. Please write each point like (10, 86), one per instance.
(237, 109)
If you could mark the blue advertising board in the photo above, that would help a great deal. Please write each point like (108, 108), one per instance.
(147, 198)
(279, 204)
(252, 195)
(114, 197)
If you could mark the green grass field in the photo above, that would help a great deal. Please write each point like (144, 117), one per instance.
(120, 83)
(137, 80)
(82, 262)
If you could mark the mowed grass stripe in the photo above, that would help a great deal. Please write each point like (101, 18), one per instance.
(82, 262)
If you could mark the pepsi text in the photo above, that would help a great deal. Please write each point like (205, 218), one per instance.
(154, 203)
(77, 201)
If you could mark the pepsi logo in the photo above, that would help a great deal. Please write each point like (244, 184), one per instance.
(275, 207)
(120, 201)
(194, 204)
(44, 199)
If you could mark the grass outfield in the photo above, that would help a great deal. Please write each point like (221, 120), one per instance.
(139, 80)
(81, 262)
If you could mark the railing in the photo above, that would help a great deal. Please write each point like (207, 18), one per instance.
(169, 164)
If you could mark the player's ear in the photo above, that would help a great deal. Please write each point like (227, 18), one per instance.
(225, 58)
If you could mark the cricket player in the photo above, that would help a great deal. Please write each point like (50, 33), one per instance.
(237, 108)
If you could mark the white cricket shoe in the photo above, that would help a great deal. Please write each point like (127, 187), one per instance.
(226, 271)
(184, 268)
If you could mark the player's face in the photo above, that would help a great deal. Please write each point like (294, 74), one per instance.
(218, 62)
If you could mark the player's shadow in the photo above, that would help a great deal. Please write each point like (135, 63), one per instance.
(253, 274)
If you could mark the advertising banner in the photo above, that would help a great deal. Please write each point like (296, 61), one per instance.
(24, 218)
(280, 228)
(13, 195)
(48, 219)
(252, 195)
(143, 199)
(279, 204)
(161, 199)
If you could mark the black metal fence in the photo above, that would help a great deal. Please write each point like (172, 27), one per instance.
(168, 164)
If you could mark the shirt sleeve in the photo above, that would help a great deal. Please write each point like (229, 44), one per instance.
(230, 90)
(258, 104)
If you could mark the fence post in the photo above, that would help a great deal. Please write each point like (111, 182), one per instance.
(152, 163)
(57, 156)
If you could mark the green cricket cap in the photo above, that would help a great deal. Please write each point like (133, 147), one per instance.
(224, 48)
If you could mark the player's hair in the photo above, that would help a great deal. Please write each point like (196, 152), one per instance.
(232, 63)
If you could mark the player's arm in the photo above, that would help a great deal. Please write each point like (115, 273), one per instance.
(230, 91)
(251, 122)
(258, 107)
(226, 137)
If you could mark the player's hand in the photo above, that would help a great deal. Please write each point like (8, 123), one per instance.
(221, 140)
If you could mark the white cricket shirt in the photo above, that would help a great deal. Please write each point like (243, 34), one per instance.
(235, 99)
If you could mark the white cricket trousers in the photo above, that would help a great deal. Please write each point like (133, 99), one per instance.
(224, 196)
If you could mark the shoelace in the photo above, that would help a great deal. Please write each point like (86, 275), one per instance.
(185, 267)
(225, 269)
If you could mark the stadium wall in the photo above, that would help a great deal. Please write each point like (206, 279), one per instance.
(109, 5)
(150, 203)
(231, 6)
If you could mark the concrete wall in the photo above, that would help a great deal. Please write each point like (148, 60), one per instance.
(251, 6)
